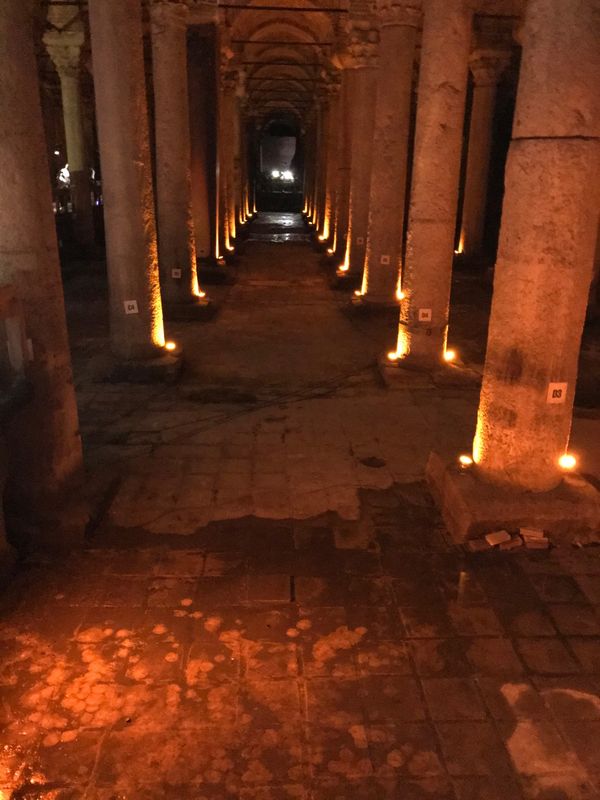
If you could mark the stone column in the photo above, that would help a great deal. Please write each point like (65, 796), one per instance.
(546, 251)
(44, 444)
(64, 48)
(331, 141)
(340, 228)
(487, 68)
(324, 123)
(363, 54)
(201, 163)
(176, 244)
(399, 23)
(435, 181)
(136, 321)
(226, 166)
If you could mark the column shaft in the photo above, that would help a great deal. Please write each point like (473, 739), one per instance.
(390, 156)
(486, 69)
(343, 168)
(135, 303)
(331, 142)
(364, 98)
(546, 251)
(176, 244)
(44, 443)
(200, 110)
(435, 181)
(64, 48)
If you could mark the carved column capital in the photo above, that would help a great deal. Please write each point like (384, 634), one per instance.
(169, 13)
(362, 45)
(64, 48)
(487, 66)
(399, 12)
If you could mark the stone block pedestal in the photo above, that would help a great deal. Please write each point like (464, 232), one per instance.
(471, 508)
(165, 369)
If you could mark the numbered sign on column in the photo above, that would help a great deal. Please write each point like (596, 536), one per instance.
(425, 315)
(557, 393)
(131, 306)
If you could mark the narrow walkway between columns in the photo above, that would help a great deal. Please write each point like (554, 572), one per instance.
(268, 606)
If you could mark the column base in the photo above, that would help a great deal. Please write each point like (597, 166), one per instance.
(8, 561)
(163, 369)
(214, 272)
(345, 281)
(56, 524)
(199, 310)
(404, 373)
(364, 304)
(471, 508)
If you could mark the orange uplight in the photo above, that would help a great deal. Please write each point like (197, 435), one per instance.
(567, 462)
(450, 355)
(465, 461)
(393, 356)
(343, 268)
(170, 346)
(330, 251)
(400, 294)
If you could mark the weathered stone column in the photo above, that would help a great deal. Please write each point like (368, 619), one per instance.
(226, 155)
(331, 142)
(487, 68)
(323, 155)
(363, 54)
(200, 76)
(44, 444)
(546, 251)
(64, 47)
(399, 21)
(135, 303)
(176, 244)
(344, 161)
(435, 182)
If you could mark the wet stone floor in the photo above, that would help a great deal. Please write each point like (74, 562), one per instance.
(268, 607)
(265, 662)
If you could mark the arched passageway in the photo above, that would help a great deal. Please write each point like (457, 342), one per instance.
(286, 502)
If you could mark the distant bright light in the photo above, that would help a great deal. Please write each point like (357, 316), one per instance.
(450, 355)
(287, 175)
(276, 174)
(567, 462)
(57, 152)
(465, 461)
(170, 346)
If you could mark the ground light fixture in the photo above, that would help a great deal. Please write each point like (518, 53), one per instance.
(567, 462)
(170, 346)
(465, 461)
(450, 355)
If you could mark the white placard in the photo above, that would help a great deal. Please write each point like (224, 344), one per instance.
(131, 306)
(557, 393)
(425, 315)
(176, 273)
(385, 259)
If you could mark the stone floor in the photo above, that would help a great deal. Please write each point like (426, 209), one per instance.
(268, 605)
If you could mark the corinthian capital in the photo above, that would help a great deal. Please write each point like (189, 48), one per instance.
(399, 12)
(168, 13)
(487, 66)
(64, 48)
(362, 45)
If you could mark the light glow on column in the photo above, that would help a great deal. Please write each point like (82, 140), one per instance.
(567, 462)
